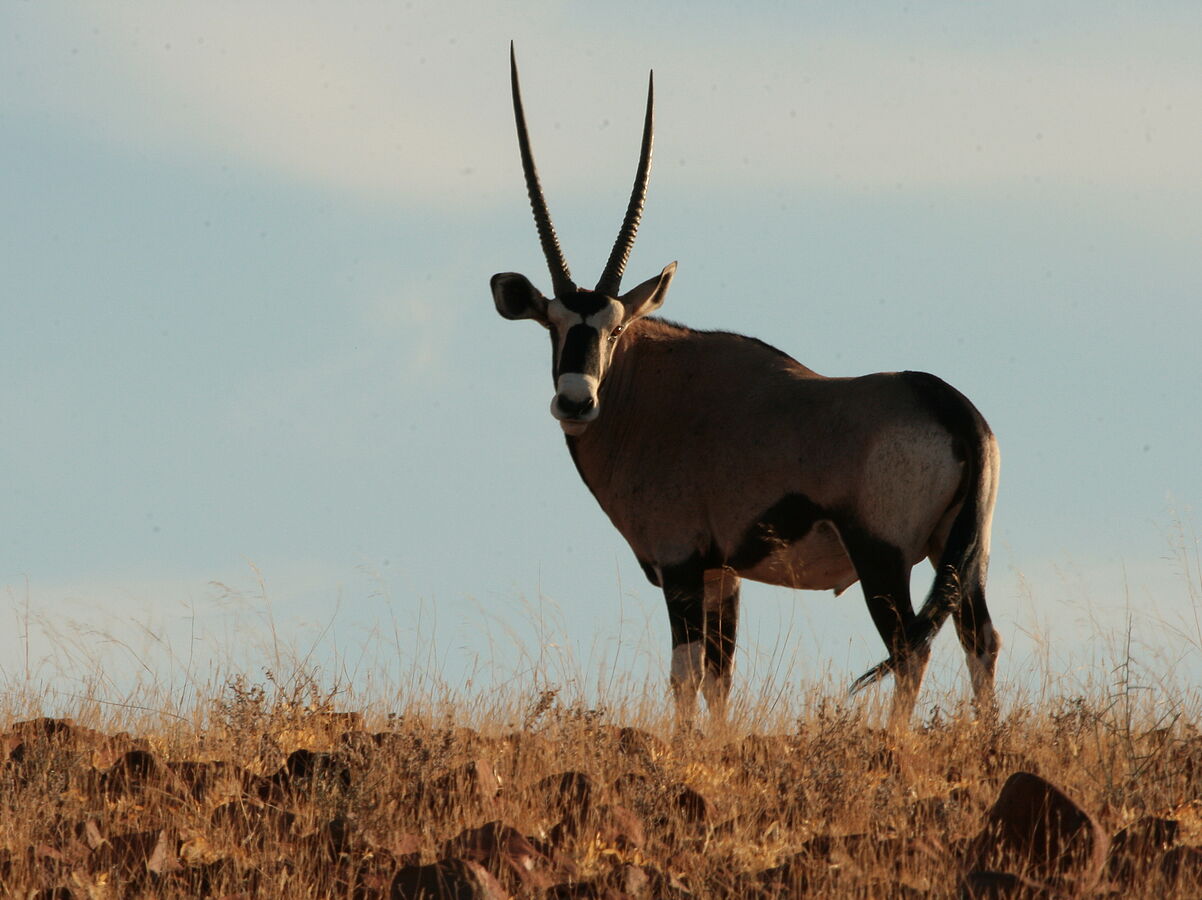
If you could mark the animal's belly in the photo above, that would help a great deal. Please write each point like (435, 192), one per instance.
(817, 562)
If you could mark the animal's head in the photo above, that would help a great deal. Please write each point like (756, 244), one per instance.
(585, 326)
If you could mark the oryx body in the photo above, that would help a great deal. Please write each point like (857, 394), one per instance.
(719, 457)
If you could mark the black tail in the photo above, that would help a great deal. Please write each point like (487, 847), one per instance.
(964, 561)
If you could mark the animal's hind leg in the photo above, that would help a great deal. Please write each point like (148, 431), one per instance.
(981, 643)
(721, 627)
(885, 578)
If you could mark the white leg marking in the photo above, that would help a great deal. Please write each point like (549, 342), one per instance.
(716, 690)
(688, 661)
(688, 665)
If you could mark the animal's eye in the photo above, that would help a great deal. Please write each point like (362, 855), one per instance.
(613, 335)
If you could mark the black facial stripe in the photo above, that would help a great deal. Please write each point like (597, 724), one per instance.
(585, 303)
(581, 349)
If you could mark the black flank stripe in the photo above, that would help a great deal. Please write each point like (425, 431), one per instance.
(786, 521)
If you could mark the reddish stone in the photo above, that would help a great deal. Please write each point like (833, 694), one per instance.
(1035, 830)
(128, 856)
(619, 827)
(585, 890)
(475, 784)
(1181, 867)
(504, 851)
(44, 729)
(200, 779)
(568, 794)
(643, 744)
(131, 773)
(692, 806)
(244, 819)
(1003, 886)
(448, 879)
(1136, 850)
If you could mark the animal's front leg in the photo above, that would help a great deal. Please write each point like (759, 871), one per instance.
(684, 591)
(721, 626)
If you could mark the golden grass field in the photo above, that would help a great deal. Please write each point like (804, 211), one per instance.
(281, 784)
(269, 790)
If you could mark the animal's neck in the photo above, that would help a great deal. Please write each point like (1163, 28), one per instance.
(626, 398)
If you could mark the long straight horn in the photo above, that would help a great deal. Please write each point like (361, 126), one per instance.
(561, 278)
(611, 278)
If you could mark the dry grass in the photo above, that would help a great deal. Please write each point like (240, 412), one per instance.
(284, 785)
(220, 803)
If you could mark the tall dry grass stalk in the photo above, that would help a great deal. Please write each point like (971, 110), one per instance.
(549, 777)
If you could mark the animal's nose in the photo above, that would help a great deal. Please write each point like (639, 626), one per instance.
(574, 409)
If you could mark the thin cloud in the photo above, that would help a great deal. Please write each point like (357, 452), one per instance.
(413, 106)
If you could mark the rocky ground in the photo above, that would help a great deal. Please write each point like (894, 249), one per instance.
(567, 804)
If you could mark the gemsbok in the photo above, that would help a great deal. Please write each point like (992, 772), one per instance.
(718, 458)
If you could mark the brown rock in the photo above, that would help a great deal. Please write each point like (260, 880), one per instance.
(504, 851)
(692, 806)
(528, 748)
(131, 773)
(826, 856)
(128, 856)
(111, 748)
(407, 847)
(1181, 868)
(57, 860)
(929, 812)
(201, 780)
(374, 872)
(243, 819)
(568, 794)
(632, 880)
(164, 858)
(89, 833)
(762, 750)
(792, 878)
(633, 787)
(614, 826)
(448, 879)
(329, 842)
(44, 729)
(221, 877)
(1136, 850)
(475, 785)
(585, 890)
(307, 772)
(642, 744)
(1035, 830)
(621, 828)
(1002, 886)
(360, 745)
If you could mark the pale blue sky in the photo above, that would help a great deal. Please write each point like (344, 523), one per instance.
(246, 319)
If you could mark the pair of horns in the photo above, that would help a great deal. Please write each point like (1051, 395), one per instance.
(561, 279)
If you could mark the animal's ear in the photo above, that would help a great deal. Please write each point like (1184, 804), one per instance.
(648, 296)
(517, 298)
